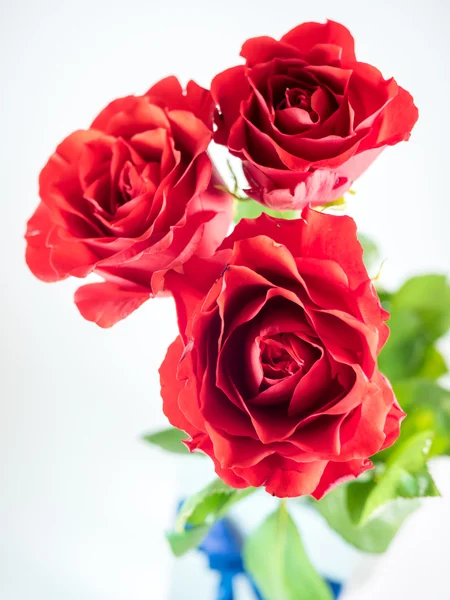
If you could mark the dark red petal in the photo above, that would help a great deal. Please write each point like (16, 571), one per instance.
(59, 185)
(281, 231)
(398, 119)
(229, 89)
(214, 201)
(368, 94)
(335, 79)
(172, 386)
(313, 188)
(128, 116)
(68, 152)
(264, 48)
(71, 257)
(227, 475)
(264, 256)
(325, 54)
(395, 415)
(347, 339)
(307, 35)
(336, 473)
(283, 477)
(314, 388)
(191, 135)
(357, 164)
(200, 102)
(107, 303)
(327, 284)
(38, 253)
(169, 93)
(362, 433)
(316, 235)
(372, 312)
(151, 146)
(333, 237)
(191, 283)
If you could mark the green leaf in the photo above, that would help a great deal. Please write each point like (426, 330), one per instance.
(371, 255)
(427, 405)
(429, 297)
(339, 203)
(246, 208)
(405, 351)
(180, 543)
(420, 314)
(405, 475)
(169, 440)
(357, 497)
(276, 559)
(199, 512)
(374, 536)
(433, 364)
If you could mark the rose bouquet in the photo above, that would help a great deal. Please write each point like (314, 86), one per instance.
(284, 373)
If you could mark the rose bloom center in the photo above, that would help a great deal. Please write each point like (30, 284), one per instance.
(283, 355)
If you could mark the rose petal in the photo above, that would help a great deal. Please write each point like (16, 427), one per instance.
(337, 473)
(306, 36)
(107, 303)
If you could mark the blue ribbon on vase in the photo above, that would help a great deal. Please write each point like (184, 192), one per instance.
(222, 546)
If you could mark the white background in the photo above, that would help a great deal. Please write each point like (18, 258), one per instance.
(84, 503)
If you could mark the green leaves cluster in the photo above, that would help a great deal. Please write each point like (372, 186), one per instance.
(403, 475)
(420, 315)
(368, 512)
(374, 535)
(427, 404)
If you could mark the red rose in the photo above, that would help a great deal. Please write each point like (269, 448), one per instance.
(305, 117)
(275, 374)
(128, 198)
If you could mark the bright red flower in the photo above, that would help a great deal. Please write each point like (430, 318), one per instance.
(129, 198)
(305, 117)
(275, 373)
